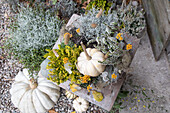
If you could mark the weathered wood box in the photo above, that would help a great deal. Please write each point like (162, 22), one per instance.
(109, 92)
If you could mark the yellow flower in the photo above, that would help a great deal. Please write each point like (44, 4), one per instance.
(73, 112)
(119, 36)
(144, 89)
(135, 97)
(153, 101)
(144, 106)
(138, 100)
(85, 78)
(114, 76)
(130, 108)
(128, 47)
(88, 88)
(78, 30)
(73, 87)
(70, 35)
(65, 59)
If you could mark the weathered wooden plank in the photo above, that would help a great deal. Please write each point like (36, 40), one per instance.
(109, 93)
(158, 26)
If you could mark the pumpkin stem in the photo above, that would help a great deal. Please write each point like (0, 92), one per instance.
(106, 55)
(55, 53)
(100, 13)
(84, 49)
(33, 84)
(66, 39)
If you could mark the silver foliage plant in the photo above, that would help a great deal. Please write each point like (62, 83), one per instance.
(102, 22)
(132, 18)
(106, 24)
(34, 29)
(122, 20)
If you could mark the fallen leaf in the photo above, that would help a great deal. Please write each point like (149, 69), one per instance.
(97, 96)
(52, 111)
(74, 87)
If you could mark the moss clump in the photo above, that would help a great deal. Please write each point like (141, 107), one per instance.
(104, 4)
(66, 54)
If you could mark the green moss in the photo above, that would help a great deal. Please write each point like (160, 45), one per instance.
(104, 4)
(58, 73)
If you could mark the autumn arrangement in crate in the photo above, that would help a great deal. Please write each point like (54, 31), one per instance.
(90, 58)
(95, 49)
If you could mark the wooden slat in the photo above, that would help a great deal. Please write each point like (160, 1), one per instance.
(158, 26)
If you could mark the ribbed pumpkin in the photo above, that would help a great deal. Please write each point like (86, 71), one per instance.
(70, 95)
(88, 63)
(32, 96)
(80, 105)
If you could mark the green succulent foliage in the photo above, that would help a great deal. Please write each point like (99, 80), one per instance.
(33, 31)
(104, 4)
(57, 71)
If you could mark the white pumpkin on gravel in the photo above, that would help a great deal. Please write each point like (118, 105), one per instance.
(88, 63)
(70, 95)
(32, 96)
(80, 105)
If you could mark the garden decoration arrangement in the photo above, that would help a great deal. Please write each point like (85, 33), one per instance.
(90, 58)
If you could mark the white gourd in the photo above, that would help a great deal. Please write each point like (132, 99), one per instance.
(32, 96)
(80, 105)
(88, 62)
(70, 95)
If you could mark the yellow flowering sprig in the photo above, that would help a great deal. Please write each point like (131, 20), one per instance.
(119, 36)
(114, 76)
(128, 46)
(65, 59)
(78, 30)
(85, 78)
(88, 88)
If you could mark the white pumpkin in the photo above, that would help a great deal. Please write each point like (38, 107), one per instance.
(70, 95)
(88, 62)
(32, 96)
(80, 105)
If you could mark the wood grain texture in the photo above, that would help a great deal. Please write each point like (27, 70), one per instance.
(158, 25)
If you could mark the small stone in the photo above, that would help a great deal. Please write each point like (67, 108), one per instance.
(134, 3)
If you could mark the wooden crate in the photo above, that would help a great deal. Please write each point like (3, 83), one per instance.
(109, 92)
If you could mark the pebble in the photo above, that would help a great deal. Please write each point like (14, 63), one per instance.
(134, 3)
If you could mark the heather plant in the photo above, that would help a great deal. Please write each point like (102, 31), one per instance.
(63, 67)
(33, 31)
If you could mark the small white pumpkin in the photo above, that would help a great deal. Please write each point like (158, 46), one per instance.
(88, 62)
(70, 95)
(80, 105)
(32, 96)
